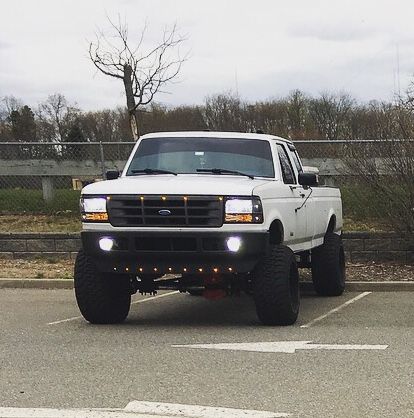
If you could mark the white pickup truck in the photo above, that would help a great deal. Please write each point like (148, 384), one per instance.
(211, 213)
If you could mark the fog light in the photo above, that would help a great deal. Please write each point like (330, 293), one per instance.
(106, 244)
(234, 244)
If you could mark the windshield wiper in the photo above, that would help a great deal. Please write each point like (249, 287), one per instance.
(153, 171)
(223, 171)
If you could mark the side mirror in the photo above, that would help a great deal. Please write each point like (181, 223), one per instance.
(112, 174)
(309, 169)
(308, 179)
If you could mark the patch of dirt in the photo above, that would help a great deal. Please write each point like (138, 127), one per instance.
(39, 223)
(36, 269)
(373, 272)
(63, 269)
(378, 272)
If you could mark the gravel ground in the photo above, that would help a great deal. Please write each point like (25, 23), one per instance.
(63, 269)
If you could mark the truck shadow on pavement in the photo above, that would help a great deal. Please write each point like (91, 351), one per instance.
(185, 310)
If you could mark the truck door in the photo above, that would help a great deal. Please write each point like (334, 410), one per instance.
(297, 218)
(308, 201)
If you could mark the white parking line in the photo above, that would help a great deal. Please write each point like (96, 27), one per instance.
(337, 309)
(73, 318)
(196, 411)
(289, 347)
(140, 409)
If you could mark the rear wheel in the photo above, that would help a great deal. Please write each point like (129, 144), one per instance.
(328, 266)
(276, 287)
(102, 298)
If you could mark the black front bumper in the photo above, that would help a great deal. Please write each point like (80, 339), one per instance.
(160, 252)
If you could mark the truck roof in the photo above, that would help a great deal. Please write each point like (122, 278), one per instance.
(214, 134)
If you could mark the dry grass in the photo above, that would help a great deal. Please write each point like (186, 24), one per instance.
(374, 225)
(373, 272)
(39, 223)
(36, 269)
(71, 223)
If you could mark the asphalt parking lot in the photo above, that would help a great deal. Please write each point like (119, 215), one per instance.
(350, 356)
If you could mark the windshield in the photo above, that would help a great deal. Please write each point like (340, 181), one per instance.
(187, 155)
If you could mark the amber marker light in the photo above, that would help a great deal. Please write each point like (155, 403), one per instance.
(98, 216)
(215, 269)
(246, 218)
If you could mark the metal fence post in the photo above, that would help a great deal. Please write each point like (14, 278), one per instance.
(102, 160)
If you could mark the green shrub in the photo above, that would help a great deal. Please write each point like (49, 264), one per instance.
(16, 201)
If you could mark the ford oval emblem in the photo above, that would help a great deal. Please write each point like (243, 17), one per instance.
(164, 212)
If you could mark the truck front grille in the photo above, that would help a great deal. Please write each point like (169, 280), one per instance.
(165, 211)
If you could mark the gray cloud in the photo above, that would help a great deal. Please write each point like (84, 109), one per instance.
(273, 46)
(341, 31)
(4, 44)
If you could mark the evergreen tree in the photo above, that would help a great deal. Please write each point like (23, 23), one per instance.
(75, 134)
(23, 125)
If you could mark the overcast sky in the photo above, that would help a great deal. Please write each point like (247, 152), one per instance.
(262, 48)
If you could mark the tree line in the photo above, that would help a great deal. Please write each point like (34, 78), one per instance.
(296, 116)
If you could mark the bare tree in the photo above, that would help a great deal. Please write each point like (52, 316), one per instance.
(56, 116)
(9, 104)
(330, 114)
(143, 73)
(385, 168)
(224, 112)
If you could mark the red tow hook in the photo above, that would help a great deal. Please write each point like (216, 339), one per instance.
(214, 294)
(213, 290)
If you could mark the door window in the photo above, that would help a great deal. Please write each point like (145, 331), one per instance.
(287, 170)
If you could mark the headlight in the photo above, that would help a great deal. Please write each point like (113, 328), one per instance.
(243, 210)
(234, 206)
(93, 209)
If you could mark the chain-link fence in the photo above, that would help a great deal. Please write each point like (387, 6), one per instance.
(47, 177)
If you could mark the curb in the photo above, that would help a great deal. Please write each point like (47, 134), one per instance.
(36, 284)
(396, 286)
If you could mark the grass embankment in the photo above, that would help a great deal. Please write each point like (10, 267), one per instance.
(16, 201)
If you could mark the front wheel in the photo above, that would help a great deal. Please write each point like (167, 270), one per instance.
(102, 298)
(328, 266)
(276, 287)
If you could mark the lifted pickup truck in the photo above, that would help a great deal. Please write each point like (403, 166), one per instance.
(211, 213)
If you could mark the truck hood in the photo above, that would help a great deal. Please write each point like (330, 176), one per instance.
(203, 184)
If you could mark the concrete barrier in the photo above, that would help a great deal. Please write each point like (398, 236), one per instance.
(359, 246)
